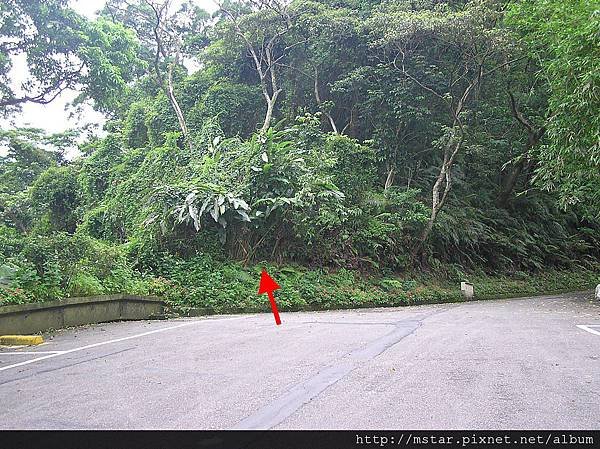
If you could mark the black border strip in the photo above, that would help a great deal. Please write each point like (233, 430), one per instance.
(351, 439)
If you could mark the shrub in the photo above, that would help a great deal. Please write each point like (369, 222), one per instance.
(10, 296)
(57, 192)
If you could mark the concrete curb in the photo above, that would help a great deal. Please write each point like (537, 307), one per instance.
(40, 317)
(21, 340)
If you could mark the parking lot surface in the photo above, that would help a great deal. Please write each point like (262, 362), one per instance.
(522, 363)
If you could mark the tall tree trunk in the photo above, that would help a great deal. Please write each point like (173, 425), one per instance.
(271, 101)
(444, 178)
(319, 102)
(534, 135)
(435, 207)
(451, 150)
(161, 51)
(268, 114)
(178, 112)
(509, 182)
(270, 98)
(389, 180)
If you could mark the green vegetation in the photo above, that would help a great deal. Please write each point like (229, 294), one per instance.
(564, 37)
(366, 152)
(230, 287)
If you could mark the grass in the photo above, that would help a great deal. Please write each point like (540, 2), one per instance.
(232, 288)
(209, 285)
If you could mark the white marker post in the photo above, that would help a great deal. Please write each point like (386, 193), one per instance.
(467, 290)
(598, 292)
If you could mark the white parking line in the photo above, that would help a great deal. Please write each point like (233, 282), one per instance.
(589, 329)
(69, 351)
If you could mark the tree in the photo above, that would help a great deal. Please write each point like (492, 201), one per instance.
(262, 25)
(448, 53)
(56, 194)
(168, 36)
(62, 50)
(29, 152)
(535, 132)
(321, 31)
(564, 40)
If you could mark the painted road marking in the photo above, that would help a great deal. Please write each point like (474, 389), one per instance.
(589, 329)
(143, 334)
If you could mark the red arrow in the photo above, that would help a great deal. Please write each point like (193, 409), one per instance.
(268, 285)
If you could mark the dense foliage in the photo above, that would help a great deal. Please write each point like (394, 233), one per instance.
(394, 138)
(564, 38)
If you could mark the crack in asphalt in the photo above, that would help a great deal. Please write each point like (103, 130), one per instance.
(281, 408)
(63, 366)
(352, 323)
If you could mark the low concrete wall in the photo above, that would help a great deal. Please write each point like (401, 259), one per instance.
(37, 317)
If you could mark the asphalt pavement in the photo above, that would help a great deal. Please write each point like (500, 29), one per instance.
(529, 363)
